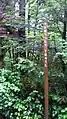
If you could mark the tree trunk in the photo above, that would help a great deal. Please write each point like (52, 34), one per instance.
(64, 31)
(22, 7)
(65, 22)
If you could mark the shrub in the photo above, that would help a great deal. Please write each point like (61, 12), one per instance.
(12, 104)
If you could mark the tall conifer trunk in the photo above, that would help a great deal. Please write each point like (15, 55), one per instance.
(65, 23)
(22, 7)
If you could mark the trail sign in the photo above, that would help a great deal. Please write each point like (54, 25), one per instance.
(46, 70)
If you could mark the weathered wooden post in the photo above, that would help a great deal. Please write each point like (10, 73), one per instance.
(46, 70)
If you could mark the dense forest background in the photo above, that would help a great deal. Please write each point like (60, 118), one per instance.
(21, 58)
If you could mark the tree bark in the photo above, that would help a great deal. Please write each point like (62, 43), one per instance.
(64, 31)
(65, 22)
(22, 7)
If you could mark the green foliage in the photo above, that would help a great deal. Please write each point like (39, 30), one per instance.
(11, 102)
(58, 106)
(30, 107)
(8, 90)
(21, 80)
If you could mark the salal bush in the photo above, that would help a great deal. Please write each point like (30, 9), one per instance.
(12, 102)
(9, 90)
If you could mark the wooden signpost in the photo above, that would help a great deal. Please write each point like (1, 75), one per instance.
(46, 70)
